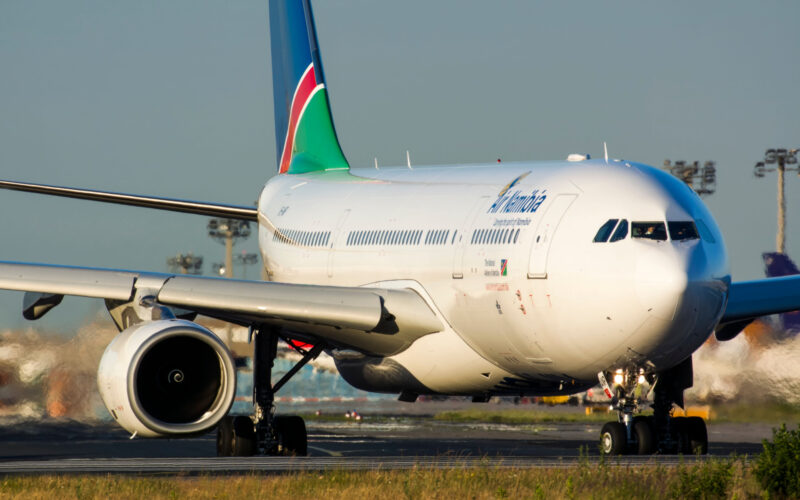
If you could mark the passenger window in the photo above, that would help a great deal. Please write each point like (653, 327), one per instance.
(622, 231)
(682, 230)
(605, 231)
(649, 230)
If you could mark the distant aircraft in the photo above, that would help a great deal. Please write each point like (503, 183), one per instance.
(779, 264)
(479, 280)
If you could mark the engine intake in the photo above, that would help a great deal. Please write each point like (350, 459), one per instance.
(167, 378)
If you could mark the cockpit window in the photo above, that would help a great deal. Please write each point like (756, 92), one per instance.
(705, 233)
(605, 231)
(621, 232)
(682, 230)
(649, 230)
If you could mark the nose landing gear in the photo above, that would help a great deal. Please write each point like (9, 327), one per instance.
(660, 432)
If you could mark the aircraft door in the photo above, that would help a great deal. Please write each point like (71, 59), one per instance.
(334, 241)
(543, 236)
(463, 236)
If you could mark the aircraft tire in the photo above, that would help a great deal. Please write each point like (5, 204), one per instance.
(697, 435)
(613, 440)
(225, 437)
(645, 437)
(244, 437)
(681, 433)
(291, 430)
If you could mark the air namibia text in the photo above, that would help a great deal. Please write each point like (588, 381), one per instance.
(518, 203)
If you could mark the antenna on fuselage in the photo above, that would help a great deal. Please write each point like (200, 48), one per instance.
(605, 150)
(408, 160)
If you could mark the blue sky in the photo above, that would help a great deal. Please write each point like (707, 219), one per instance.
(174, 99)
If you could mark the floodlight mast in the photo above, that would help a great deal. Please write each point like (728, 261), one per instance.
(243, 259)
(781, 157)
(246, 259)
(228, 232)
(702, 179)
(188, 263)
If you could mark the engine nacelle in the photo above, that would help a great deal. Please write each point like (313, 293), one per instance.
(167, 378)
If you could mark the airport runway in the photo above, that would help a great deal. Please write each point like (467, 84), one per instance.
(387, 442)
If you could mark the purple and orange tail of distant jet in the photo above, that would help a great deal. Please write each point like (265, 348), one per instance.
(304, 132)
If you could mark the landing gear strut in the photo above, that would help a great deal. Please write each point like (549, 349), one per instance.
(660, 432)
(265, 433)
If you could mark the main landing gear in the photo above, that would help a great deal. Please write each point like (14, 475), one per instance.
(265, 433)
(657, 433)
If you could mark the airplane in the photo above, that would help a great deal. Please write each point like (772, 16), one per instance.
(521, 278)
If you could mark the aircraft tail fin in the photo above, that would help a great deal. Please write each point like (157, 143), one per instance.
(304, 132)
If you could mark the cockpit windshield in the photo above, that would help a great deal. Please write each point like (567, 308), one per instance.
(605, 231)
(617, 230)
(682, 230)
(621, 232)
(649, 230)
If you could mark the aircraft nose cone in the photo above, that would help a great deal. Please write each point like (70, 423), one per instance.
(676, 287)
(662, 277)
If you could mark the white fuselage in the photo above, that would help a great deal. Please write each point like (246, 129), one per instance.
(531, 303)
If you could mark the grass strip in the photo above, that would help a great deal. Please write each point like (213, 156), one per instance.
(516, 417)
(710, 479)
(752, 413)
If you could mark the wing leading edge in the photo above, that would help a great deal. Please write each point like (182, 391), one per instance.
(170, 204)
(375, 320)
(748, 300)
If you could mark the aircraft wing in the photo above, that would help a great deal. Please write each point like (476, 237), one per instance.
(748, 300)
(170, 204)
(374, 320)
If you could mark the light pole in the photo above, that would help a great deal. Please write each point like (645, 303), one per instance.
(243, 259)
(188, 263)
(702, 179)
(228, 232)
(781, 157)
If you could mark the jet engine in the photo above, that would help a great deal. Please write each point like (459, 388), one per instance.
(167, 378)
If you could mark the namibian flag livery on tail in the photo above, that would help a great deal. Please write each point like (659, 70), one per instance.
(304, 133)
